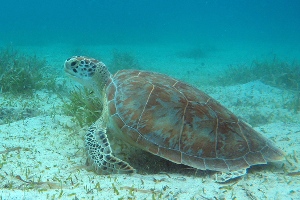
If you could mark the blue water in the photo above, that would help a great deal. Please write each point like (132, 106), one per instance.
(36, 22)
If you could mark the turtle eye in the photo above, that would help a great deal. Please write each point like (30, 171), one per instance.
(73, 63)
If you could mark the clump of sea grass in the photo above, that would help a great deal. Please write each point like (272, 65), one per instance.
(11, 114)
(272, 72)
(294, 103)
(83, 105)
(123, 60)
(22, 74)
(195, 53)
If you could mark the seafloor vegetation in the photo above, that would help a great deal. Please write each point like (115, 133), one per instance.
(21, 76)
(83, 105)
(24, 74)
(123, 60)
(195, 53)
(274, 72)
(277, 73)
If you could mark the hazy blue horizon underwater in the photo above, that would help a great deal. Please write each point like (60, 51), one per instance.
(145, 21)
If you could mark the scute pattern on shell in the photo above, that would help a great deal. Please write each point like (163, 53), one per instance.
(178, 122)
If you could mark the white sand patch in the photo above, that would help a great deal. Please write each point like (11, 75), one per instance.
(257, 103)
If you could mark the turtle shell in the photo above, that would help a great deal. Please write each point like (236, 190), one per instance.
(180, 123)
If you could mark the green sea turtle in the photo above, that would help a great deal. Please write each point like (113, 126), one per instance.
(167, 118)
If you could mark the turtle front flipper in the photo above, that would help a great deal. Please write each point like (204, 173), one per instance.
(100, 153)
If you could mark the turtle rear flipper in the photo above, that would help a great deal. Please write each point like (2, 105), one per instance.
(100, 153)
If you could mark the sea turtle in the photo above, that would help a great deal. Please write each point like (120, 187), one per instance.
(168, 118)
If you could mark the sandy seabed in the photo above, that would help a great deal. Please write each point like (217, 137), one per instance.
(43, 157)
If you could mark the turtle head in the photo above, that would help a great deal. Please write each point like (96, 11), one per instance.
(87, 71)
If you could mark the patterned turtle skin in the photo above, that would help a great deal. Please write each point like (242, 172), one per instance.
(173, 120)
